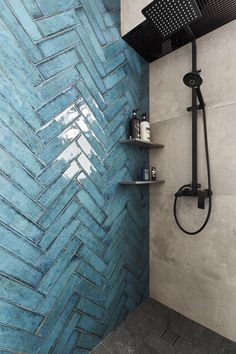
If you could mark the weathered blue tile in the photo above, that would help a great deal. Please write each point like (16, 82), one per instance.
(92, 39)
(59, 292)
(52, 339)
(58, 22)
(114, 49)
(60, 244)
(95, 295)
(20, 294)
(18, 99)
(13, 59)
(89, 308)
(21, 36)
(111, 5)
(15, 268)
(58, 104)
(62, 343)
(59, 123)
(17, 125)
(94, 226)
(25, 20)
(89, 239)
(54, 45)
(72, 238)
(60, 164)
(33, 8)
(90, 122)
(59, 266)
(71, 343)
(19, 246)
(112, 18)
(80, 351)
(62, 200)
(88, 341)
(65, 304)
(58, 84)
(56, 228)
(112, 34)
(13, 218)
(91, 275)
(115, 92)
(59, 63)
(97, 22)
(17, 340)
(59, 143)
(87, 323)
(14, 171)
(114, 63)
(96, 72)
(18, 317)
(19, 199)
(114, 78)
(49, 7)
(12, 144)
(115, 107)
(94, 261)
(92, 188)
(87, 77)
(57, 186)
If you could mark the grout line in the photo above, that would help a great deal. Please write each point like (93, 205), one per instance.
(188, 113)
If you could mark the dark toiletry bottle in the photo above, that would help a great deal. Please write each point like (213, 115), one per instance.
(134, 126)
(153, 174)
(145, 172)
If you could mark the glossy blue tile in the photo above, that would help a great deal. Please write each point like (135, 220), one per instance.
(74, 243)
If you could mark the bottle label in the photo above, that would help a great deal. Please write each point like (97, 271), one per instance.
(137, 130)
(146, 175)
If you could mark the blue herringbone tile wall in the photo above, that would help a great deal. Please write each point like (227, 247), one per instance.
(73, 244)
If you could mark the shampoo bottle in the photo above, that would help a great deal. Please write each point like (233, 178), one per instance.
(134, 126)
(145, 128)
(145, 172)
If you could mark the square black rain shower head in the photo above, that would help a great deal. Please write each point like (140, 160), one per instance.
(170, 16)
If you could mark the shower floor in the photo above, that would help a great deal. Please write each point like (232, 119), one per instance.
(155, 329)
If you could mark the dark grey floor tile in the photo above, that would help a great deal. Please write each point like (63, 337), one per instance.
(189, 348)
(178, 324)
(101, 350)
(205, 339)
(169, 336)
(123, 341)
(227, 347)
(155, 341)
(155, 309)
(142, 324)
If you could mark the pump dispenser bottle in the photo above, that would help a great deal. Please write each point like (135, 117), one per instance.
(134, 126)
(145, 128)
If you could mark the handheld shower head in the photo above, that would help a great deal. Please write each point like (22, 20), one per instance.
(170, 16)
(192, 80)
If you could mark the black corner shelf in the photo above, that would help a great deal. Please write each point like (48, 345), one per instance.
(141, 183)
(142, 144)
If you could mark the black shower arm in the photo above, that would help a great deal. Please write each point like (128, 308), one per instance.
(194, 47)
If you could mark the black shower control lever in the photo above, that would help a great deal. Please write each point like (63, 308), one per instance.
(190, 109)
(201, 195)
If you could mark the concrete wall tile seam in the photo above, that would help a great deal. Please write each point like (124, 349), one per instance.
(74, 245)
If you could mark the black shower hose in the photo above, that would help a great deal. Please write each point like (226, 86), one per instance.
(209, 184)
